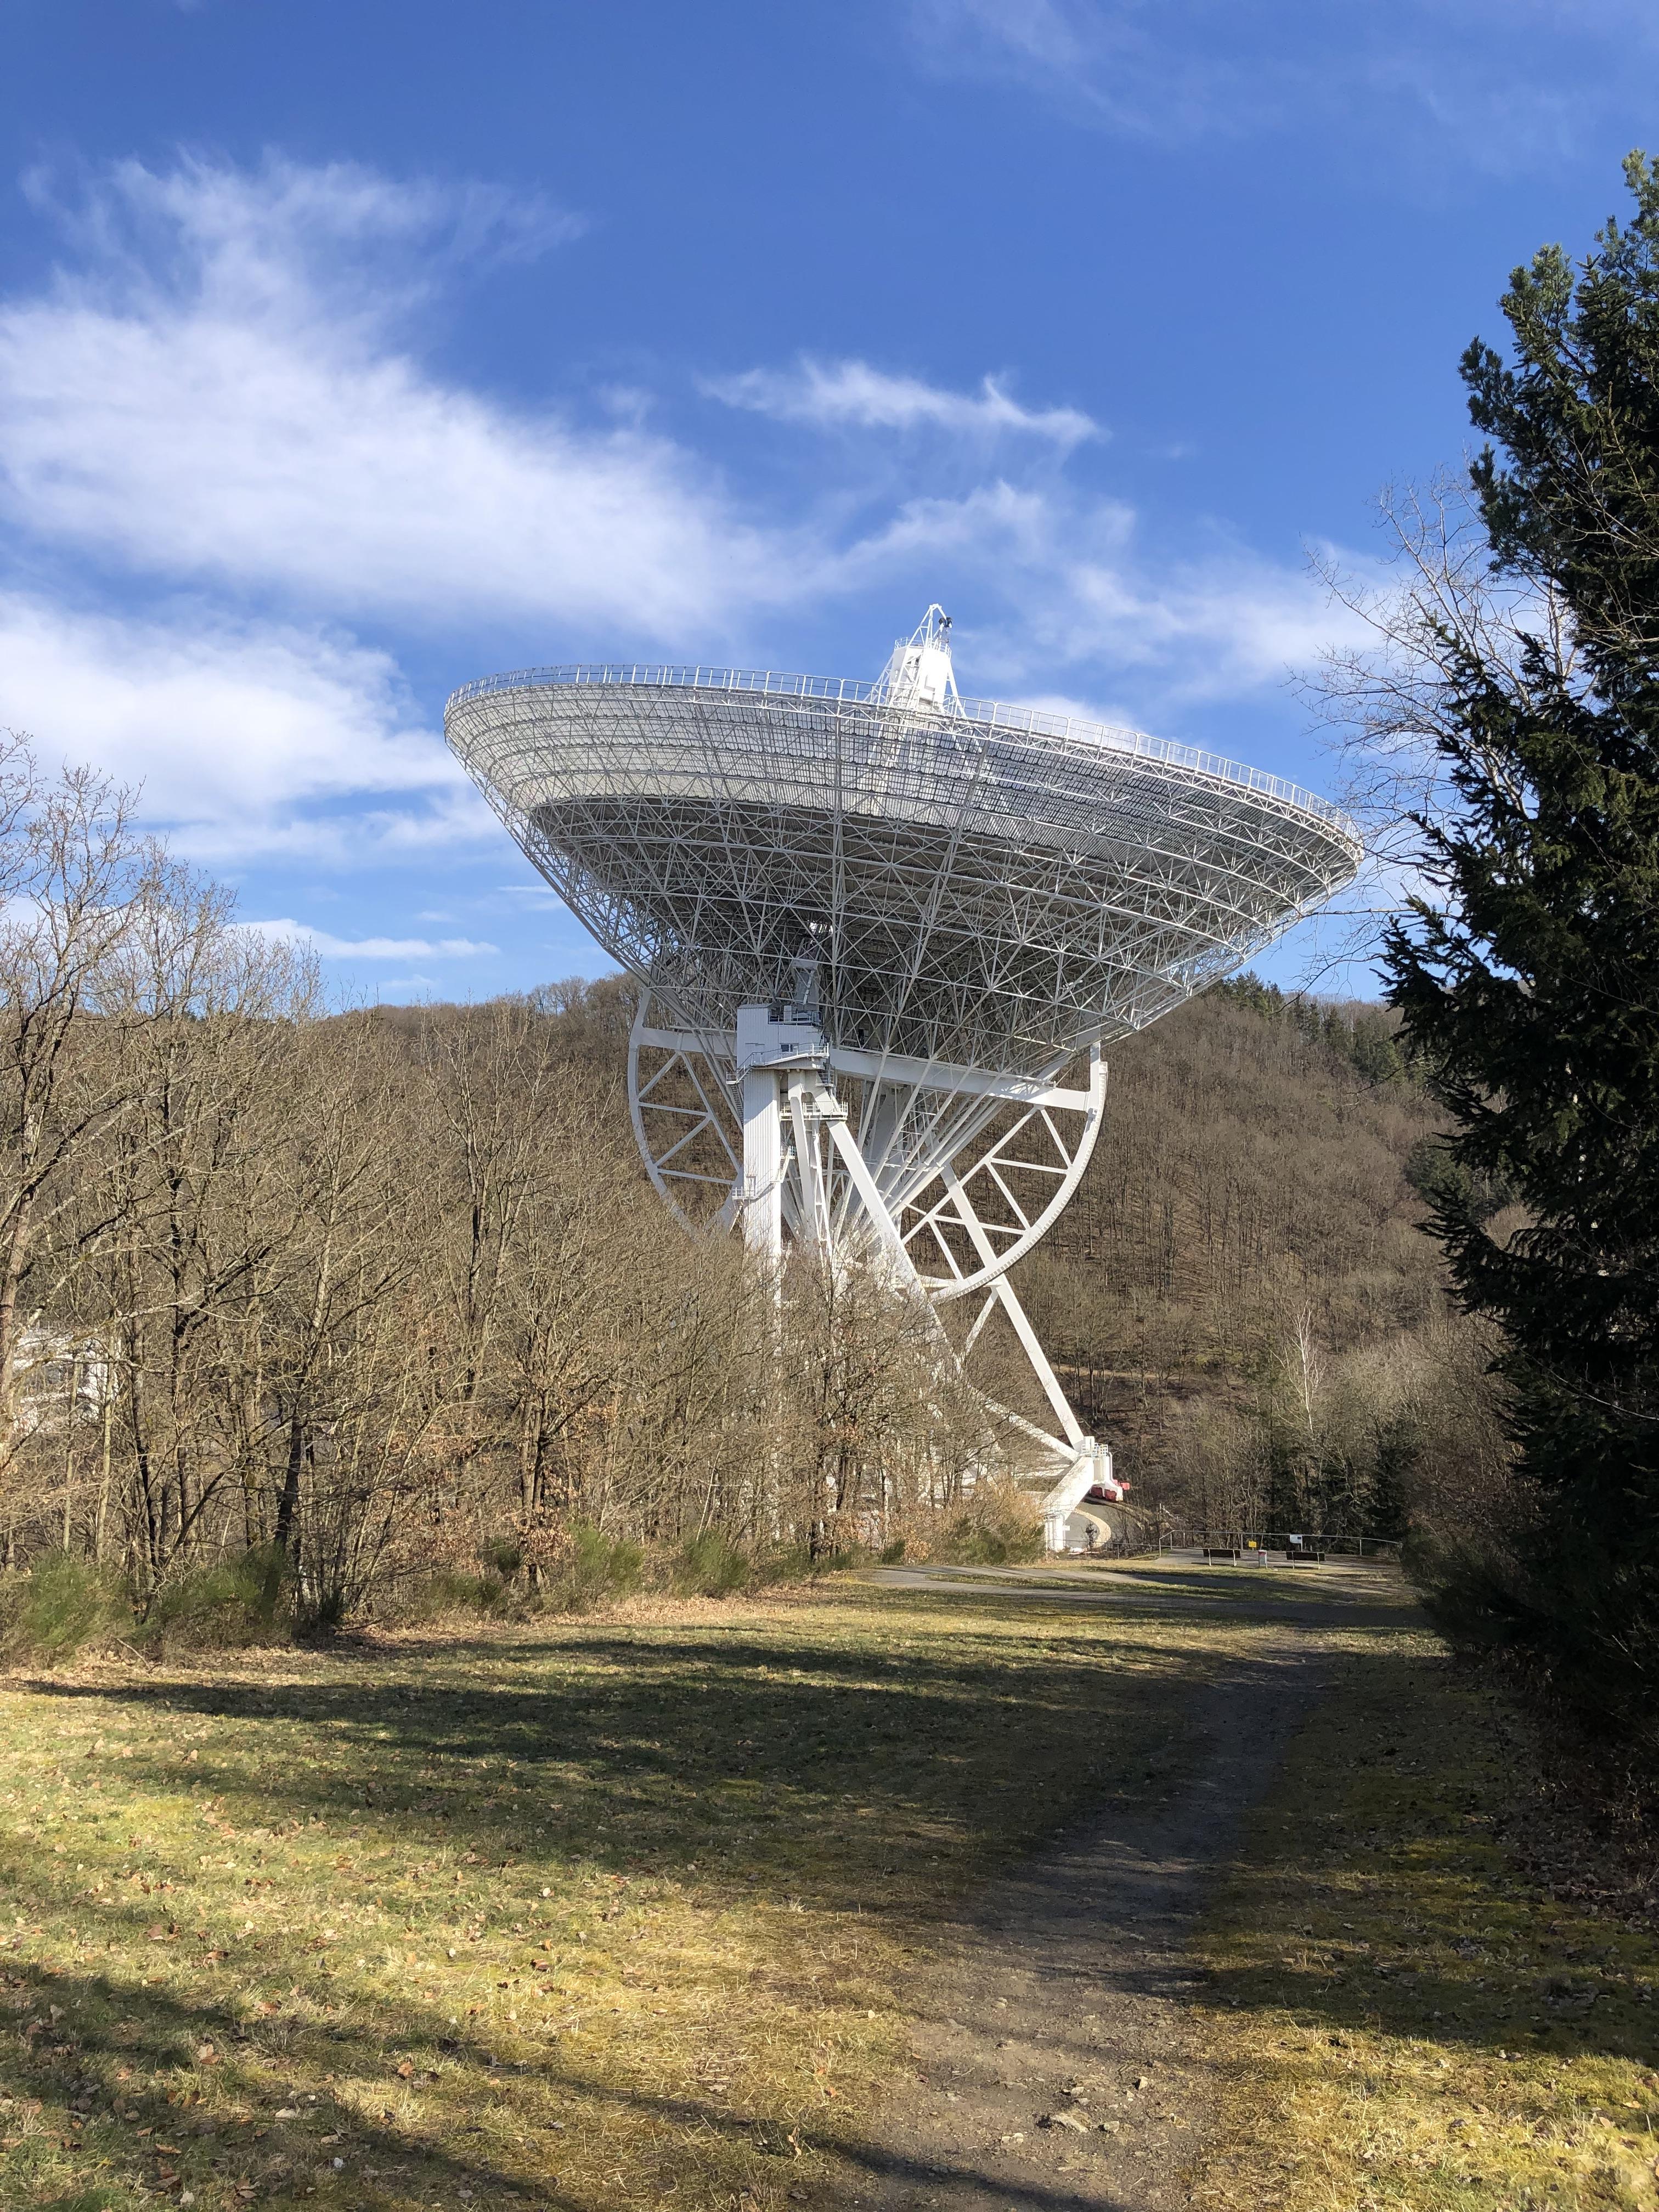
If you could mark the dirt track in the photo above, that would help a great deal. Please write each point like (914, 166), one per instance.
(1067, 1990)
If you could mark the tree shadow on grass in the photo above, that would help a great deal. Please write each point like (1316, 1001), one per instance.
(801, 1766)
(131, 2064)
(635, 1751)
(165, 2042)
(1344, 1837)
(145, 2070)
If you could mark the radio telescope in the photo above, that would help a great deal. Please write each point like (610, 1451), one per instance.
(883, 936)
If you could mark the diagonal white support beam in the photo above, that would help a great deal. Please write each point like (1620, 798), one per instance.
(1016, 1313)
(1045, 1374)
(980, 1320)
(1055, 1444)
(833, 1115)
(804, 1119)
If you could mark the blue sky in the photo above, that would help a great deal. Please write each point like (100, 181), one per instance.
(351, 349)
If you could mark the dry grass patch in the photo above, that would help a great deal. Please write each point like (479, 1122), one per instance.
(1405, 2021)
(586, 1914)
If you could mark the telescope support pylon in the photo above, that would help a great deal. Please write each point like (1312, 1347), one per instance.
(792, 1168)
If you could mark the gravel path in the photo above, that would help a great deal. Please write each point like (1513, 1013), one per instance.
(1055, 2062)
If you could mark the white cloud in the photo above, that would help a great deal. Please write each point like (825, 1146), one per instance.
(1064, 585)
(232, 729)
(1231, 624)
(853, 394)
(290, 932)
(217, 394)
(270, 238)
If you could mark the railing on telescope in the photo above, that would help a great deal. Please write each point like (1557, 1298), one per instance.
(986, 714)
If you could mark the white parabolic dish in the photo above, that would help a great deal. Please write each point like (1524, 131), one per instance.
(977, 884)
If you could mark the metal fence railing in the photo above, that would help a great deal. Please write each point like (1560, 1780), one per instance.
(1363, 1544)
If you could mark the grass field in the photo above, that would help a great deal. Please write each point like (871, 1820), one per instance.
(620, 1911)
(1406, 2024)
(598, 1913)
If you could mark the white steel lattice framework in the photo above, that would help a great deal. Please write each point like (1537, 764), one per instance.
(877, 928)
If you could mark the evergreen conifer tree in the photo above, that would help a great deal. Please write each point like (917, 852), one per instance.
(1529, 979)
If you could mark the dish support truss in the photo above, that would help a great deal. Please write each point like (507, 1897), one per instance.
(945, 1177)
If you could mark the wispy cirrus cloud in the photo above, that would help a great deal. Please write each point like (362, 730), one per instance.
(1498, 84)
(852, 394)
(236, 730)
(289, 931)
(219, 394)
(277, 240)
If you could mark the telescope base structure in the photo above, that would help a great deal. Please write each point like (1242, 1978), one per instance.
(943, 1177)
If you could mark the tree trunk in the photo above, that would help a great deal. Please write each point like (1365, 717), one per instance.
(288, 1504)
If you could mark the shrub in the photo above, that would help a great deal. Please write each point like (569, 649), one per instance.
(247, 1600)
(58, 1607)
(445, 1590)
(708, 1564)
(592, 1568)
(840, 1558)
(782, 1562)
(583, 1569)
(996, 1528)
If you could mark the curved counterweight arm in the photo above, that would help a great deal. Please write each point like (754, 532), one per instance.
(956, 1202)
